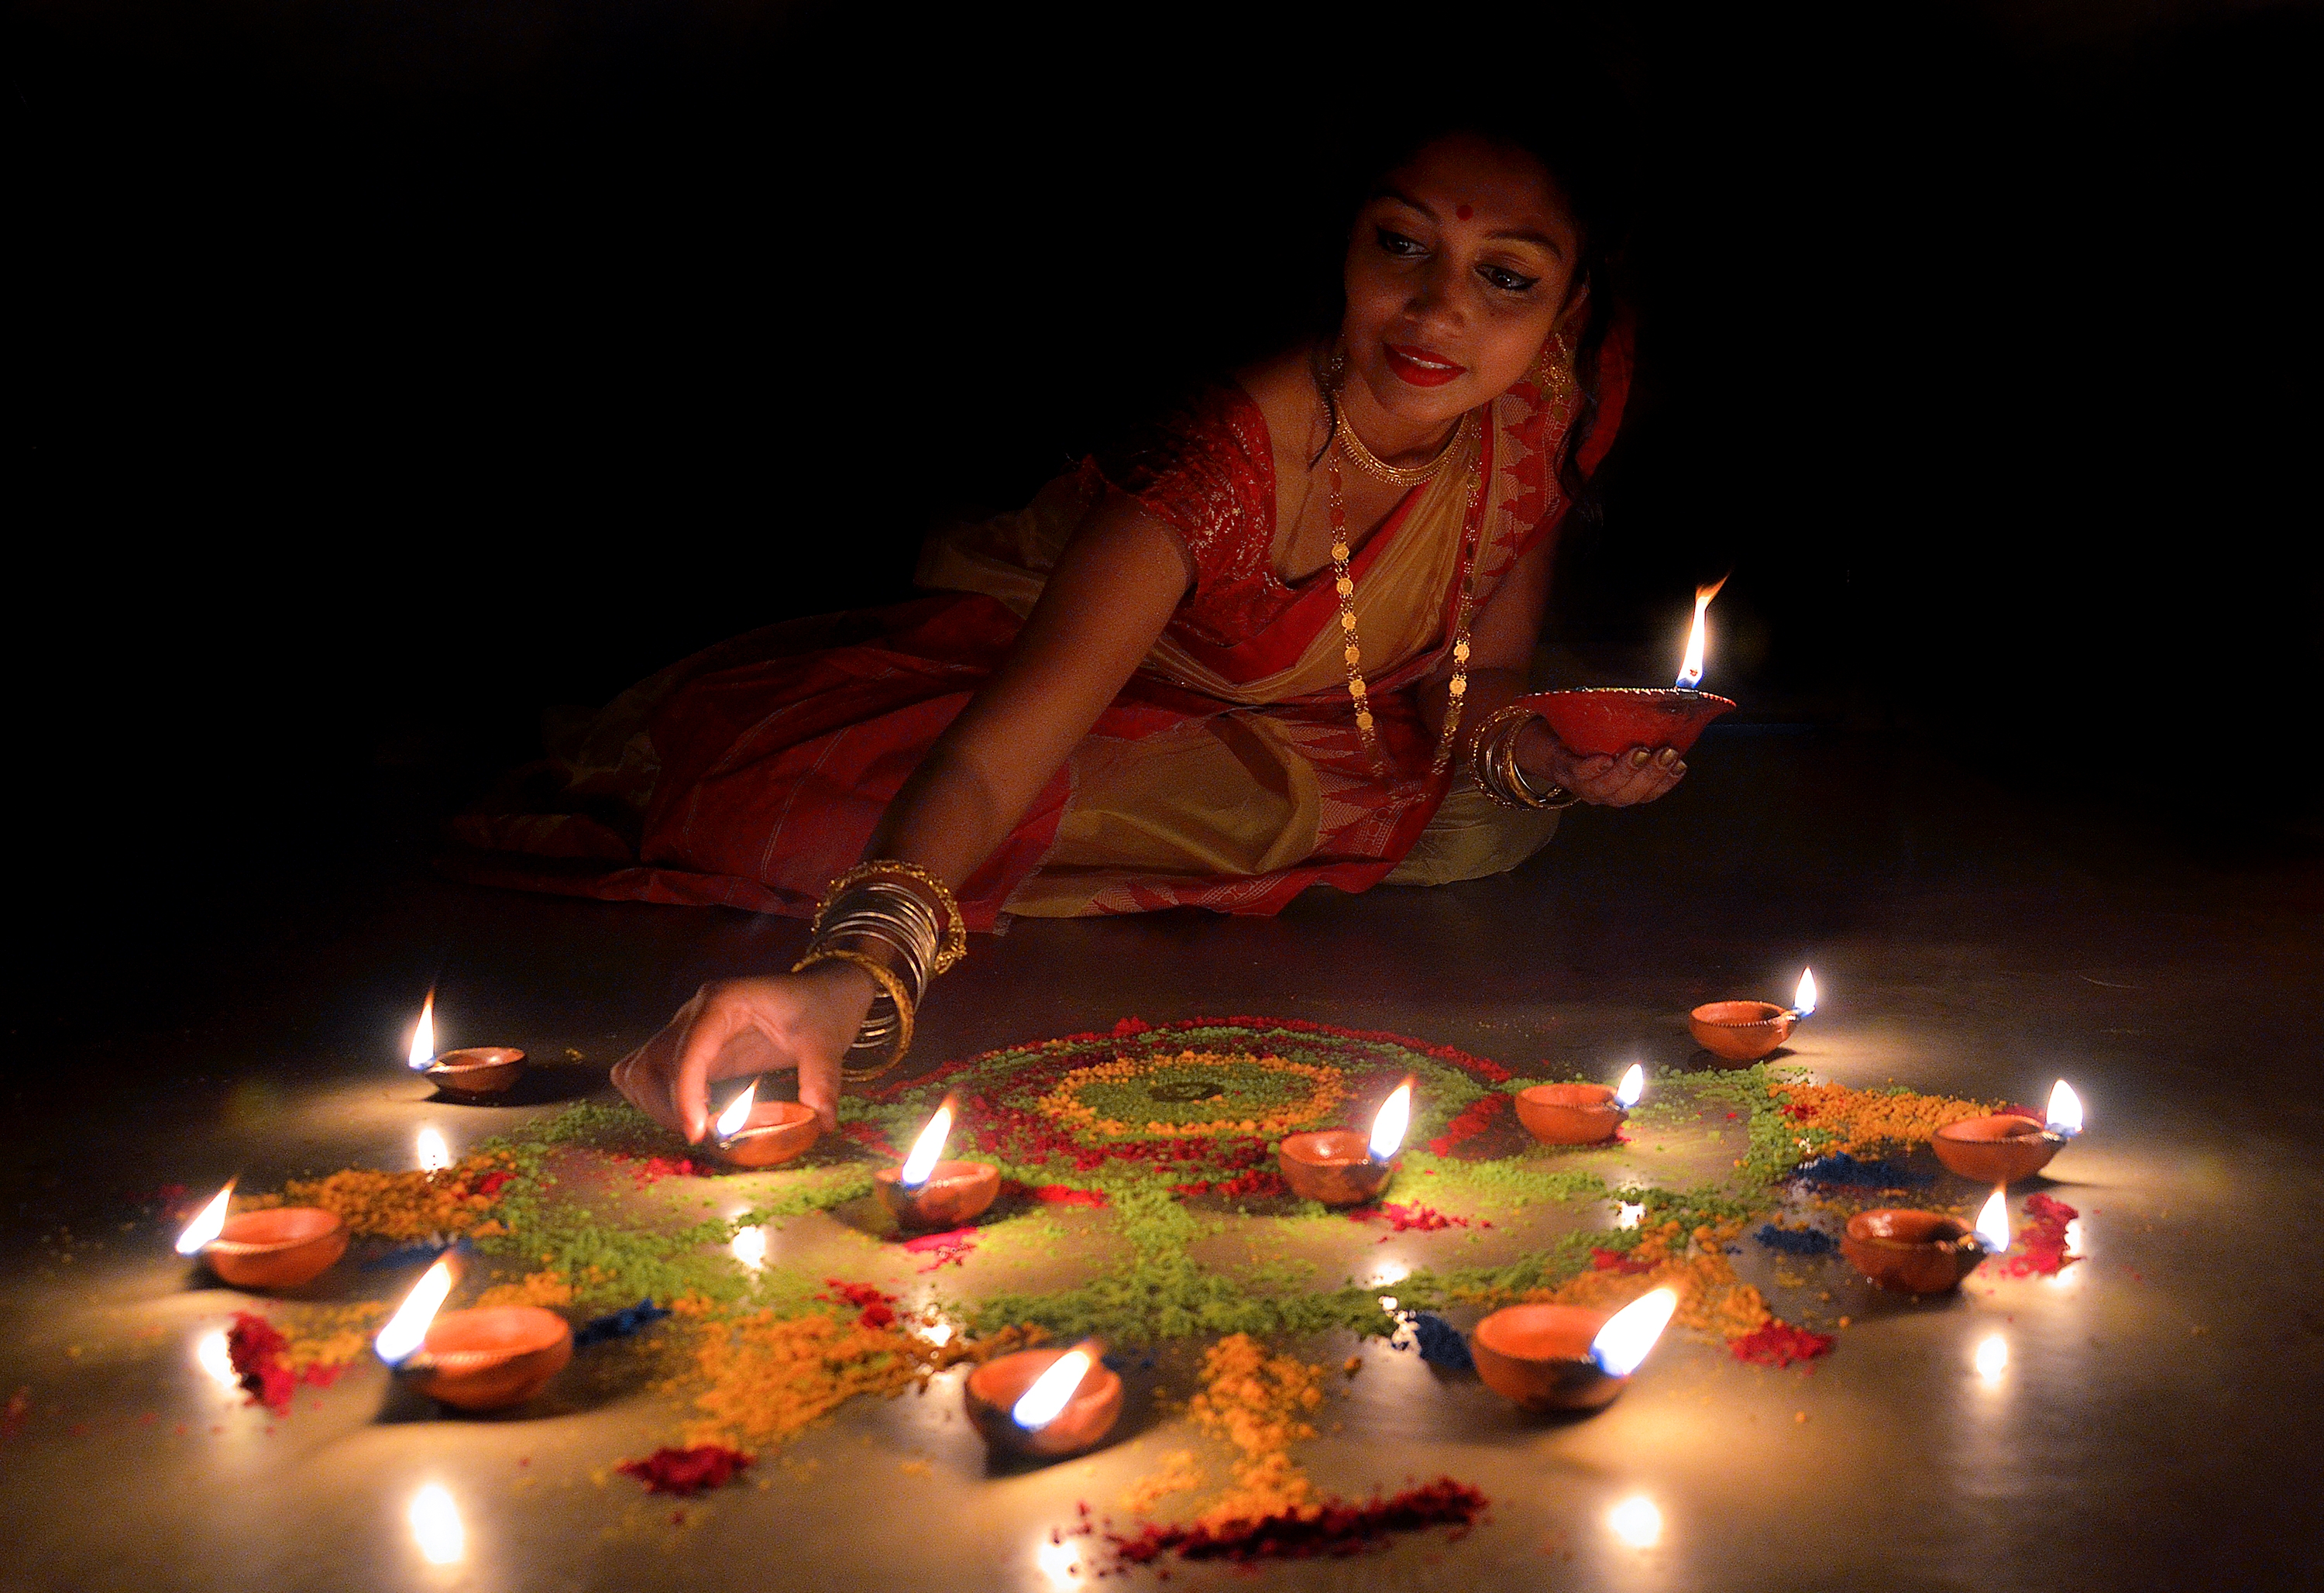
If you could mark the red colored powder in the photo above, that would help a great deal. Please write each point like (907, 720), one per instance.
(941, 1248)
(256, 1347)
(874, 1302)
(687, 1471)
(1479, 1115)
(490, 1184)
(1779, 1344)
(2041, 1240)
(1426, 1219)
(655, 1169)
(1339, 1528)
(1617, 1261)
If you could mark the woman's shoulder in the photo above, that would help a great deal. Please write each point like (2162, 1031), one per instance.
(1204, 465)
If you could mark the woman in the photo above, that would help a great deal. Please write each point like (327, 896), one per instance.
(1270, 644)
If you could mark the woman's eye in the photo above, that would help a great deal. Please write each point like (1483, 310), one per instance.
(1504, 279)
(1396, 243)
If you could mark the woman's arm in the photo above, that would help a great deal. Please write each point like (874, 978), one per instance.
(1500, 650)
(1114, 588)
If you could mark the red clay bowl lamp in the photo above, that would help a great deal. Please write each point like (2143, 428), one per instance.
(1579, 1114)
(1340, 1167)
(1923, 1252)
(280, 1249)
(1567, 1357)
(1610, 721)
(2007, 1146)
(475, 1074)
(1746, 1031)
(1046, 1404)
(473, 1360)
(925, 1192)
(751, 1132)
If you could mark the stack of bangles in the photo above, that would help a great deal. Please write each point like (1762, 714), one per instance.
(1493, 763)
(901, 927)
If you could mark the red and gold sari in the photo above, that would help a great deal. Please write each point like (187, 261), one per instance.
(1227, 774)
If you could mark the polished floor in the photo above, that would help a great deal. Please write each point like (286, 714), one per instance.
(2149, 1423)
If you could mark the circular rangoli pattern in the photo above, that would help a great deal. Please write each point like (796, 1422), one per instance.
(1198, 1105)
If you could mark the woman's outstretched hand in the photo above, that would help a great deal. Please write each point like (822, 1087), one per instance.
(735, 1028)
(1638, 775)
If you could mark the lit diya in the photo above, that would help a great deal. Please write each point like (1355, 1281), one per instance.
(474, 1360)
(1746, 1031)
(925, 1192)
(751, 1132)
(473, 1074)
(280, 1249)
(2007, 1146)
(1567, 1357)
(1340, 1167)
(1044, 1403)
(1610, 720)
(1923, 1252)
(1579, 1114)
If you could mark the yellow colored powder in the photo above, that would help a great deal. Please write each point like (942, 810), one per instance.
(408, 1205)
(546, 1289)
(1259, 1404)
(1179, 1472)
(1863, 1119)
(770, 1376)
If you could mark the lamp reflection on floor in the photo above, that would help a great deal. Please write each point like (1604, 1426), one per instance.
(1992, 1359)
(1638, 1521)
(435, 1526)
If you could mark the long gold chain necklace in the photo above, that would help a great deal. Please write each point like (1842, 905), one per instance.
(1352, 649)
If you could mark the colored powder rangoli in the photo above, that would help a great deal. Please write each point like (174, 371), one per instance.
(459, 1199)
(1778, 1344)
(2042, 1248)
(1857, 1120)
(687, 1471)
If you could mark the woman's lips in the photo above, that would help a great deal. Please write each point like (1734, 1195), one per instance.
(1420, 366)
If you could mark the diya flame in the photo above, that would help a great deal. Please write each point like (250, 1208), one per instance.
(737, 1113)
(423, 1036)
(208, 1225)
(929, 1149)
(1630, 1332)
(1395, 1117)
(1633, 1086)
(1053, 1390)
(407, 1329)
(1690, 673)
(1992, 1222)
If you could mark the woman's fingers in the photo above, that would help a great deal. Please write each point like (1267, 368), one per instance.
(716, 1020)
(1638, 775)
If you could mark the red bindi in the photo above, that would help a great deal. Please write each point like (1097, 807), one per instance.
(1464, 212)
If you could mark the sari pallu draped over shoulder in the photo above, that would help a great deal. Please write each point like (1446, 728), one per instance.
(1228, 773)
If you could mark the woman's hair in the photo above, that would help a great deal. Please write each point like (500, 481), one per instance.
(1571, 122)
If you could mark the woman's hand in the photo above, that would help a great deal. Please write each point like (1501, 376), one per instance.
(735, 1028)
(1638, 775)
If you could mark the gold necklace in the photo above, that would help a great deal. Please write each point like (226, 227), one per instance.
(1379, 469)
(1352, 649)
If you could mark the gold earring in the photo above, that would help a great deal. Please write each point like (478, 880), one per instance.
(1552, 369)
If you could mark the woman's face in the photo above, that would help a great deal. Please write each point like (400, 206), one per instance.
(1458, 270)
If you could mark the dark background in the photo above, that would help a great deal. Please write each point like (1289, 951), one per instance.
(389, 370)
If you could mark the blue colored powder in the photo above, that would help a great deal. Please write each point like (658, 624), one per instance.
(1441, 1343)
(620, 1324)
(1840, 1168)
(1796, 1241)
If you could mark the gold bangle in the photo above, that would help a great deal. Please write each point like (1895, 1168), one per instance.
(955, 929)
(1483, 752)
(887, 981)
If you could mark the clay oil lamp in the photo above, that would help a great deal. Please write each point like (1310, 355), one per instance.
(478, 1073)
(925, 1192)
(1746, 1031)
(473, 1360)
(1922, 1252)
(2007, 1146)
(1567, 1357)
(1579, 1114)
(753, 1133)
(1340, 1167)
(1610, 720)
(1047, 1403)
(280, 1249)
